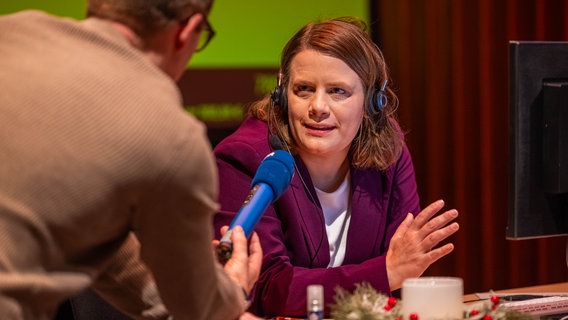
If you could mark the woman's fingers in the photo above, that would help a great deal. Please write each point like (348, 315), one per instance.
(436, 254)
(424, 216)
(438, 222)
(403, 228)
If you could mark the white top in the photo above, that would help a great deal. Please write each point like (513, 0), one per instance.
(337, 214)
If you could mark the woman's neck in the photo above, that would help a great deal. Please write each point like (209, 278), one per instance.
(327, 174)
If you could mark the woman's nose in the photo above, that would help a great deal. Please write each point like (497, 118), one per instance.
(319, 105)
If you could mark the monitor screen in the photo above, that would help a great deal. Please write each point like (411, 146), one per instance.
(538, 139)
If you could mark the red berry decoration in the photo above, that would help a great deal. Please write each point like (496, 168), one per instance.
(495, 299)
(414, 316)
(487, 317)
(387, 307)
(474, 312)
(392, 301)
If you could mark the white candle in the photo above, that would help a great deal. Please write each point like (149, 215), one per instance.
(433, 298)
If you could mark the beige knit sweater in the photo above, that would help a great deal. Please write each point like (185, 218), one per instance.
(94, 144)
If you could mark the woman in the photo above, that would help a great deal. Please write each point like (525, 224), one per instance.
(345, 219)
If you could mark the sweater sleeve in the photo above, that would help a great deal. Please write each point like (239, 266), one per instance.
(128, 284)
(174, 226)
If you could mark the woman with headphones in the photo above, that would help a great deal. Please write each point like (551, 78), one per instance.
(352, 212)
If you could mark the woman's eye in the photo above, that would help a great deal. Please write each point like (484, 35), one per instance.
(338, 91)
(302, 90)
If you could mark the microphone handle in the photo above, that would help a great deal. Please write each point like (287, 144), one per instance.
(259, 198)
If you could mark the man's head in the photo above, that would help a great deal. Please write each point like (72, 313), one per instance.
(168, 31)
(146, 17)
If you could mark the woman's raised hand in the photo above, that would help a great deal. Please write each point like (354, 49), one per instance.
(412, 247)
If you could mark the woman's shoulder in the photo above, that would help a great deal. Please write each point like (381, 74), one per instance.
(249, 144)
(402, 164)
(405, 158)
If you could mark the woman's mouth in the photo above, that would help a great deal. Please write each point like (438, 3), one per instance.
(318, 129)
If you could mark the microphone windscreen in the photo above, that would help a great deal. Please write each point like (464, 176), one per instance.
(276, 170)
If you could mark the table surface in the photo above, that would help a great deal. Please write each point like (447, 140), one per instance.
(472, 297)
(546, 288)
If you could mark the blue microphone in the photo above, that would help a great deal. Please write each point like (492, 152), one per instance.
(272, 178)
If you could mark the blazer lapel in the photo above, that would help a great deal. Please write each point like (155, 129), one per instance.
(310, 215)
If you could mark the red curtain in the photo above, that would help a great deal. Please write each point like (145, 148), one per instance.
(449, 64)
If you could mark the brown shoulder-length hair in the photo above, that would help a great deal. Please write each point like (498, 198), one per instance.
(379, 142)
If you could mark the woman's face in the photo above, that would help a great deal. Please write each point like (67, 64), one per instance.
(325, 104)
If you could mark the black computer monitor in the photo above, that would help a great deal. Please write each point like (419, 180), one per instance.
(538, 139)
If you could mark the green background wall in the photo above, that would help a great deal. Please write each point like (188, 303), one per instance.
(250, 33)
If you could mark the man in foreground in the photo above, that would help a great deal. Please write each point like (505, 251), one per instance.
(105, 181)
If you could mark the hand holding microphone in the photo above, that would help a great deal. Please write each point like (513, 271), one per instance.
(246, 259)
(272, 178)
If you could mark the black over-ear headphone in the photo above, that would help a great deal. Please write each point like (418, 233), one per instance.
(278, 95)
(379, 99)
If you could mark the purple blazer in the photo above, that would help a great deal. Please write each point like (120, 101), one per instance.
(292, 230)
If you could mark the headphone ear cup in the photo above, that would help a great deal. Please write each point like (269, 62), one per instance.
(378, 101)
(283, 98)
(278, 97)
(275, 96)
(381, 99)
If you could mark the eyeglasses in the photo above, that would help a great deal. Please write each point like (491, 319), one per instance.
(207, 33)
